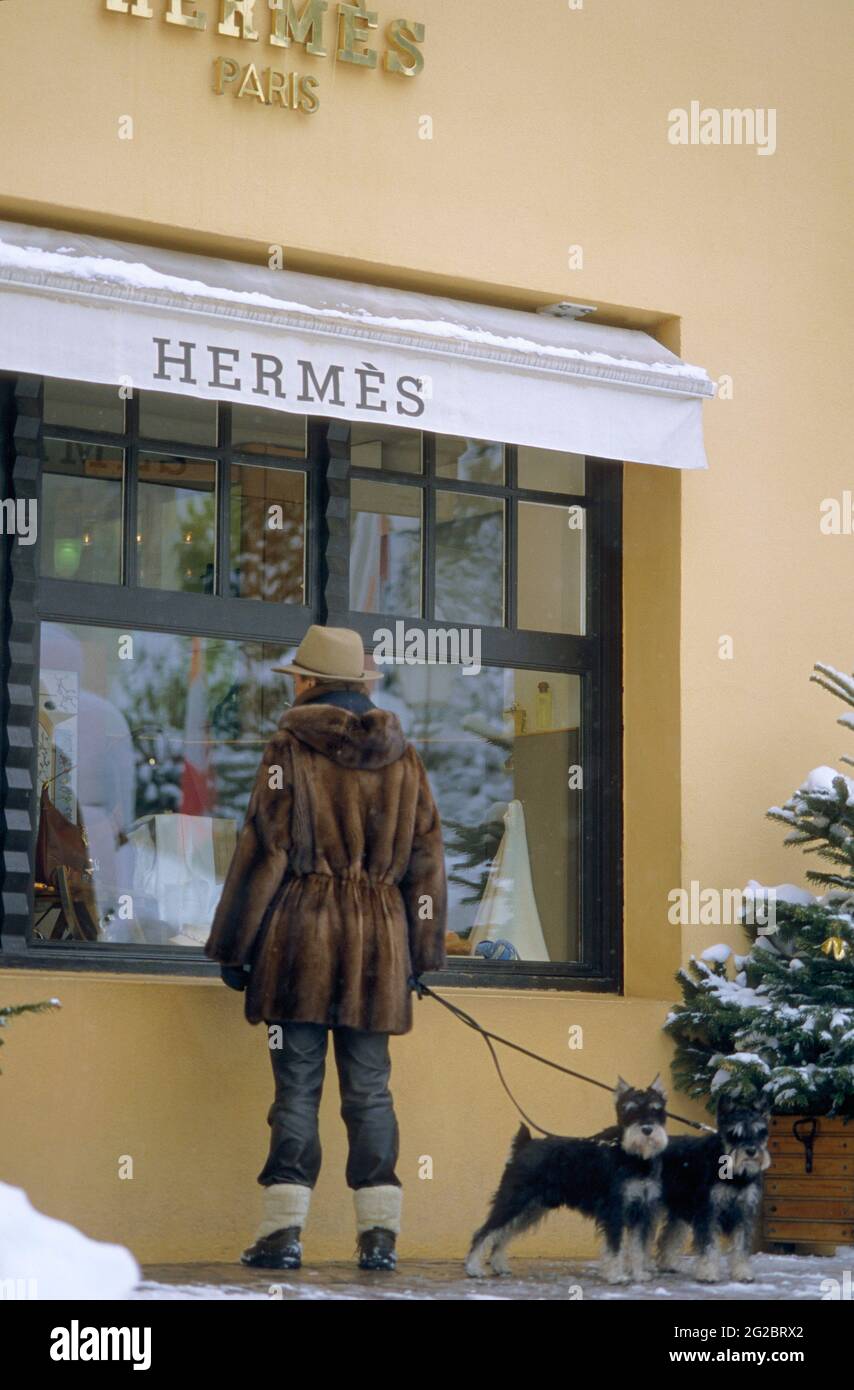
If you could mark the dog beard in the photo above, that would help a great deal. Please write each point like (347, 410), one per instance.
(749, 1165)
(644, 1145)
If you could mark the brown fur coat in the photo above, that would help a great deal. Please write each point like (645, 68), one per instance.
(336, 892)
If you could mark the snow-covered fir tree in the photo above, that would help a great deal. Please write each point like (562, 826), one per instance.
(782, 1025)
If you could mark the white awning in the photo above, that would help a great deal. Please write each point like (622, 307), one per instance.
(100, 311)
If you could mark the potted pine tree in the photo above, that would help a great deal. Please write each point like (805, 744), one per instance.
(781, 1024)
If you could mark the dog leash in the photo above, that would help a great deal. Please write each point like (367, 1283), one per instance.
(490, 1038)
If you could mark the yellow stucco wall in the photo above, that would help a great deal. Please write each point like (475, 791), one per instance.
(550, 131)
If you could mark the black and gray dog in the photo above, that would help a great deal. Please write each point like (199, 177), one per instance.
(713, 1187)
(614, 1178)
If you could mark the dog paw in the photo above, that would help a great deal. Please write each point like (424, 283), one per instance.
(742, 1274)
(642, 1276)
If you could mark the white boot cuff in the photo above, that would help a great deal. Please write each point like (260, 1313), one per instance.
(285, 1204)
(378, 1206)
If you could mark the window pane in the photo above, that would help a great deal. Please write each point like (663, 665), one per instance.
(267, 557)
(547, 470)
(258, 431)
(83, 406)
(176, 523)
(385, 548)
(499, 747)
(469, 558)
(384, 447)
(551, 590)
(469, 460)
(149, 743)
(177, 419)
(81, 512)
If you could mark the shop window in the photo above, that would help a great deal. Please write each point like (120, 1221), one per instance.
(82, 511)
(267, 550)
(497, 747)
(469, 558)
(385, 548)
(551, 583)
(385, 448)
(269, 432)
(176, 523)
(148, 743)
(165, 417)
(184, 549)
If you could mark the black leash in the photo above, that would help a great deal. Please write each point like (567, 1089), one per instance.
(490, 1038)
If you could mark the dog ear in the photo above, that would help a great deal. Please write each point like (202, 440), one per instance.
(621, 1088)
(658, 1085)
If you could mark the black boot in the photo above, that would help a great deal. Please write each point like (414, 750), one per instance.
(280, 1250)
(376, 1249)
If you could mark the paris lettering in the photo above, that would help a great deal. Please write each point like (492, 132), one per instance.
(348, 33)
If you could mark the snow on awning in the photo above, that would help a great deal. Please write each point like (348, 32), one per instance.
(101, 311)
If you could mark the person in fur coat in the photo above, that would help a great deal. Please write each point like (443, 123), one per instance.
(334, 904)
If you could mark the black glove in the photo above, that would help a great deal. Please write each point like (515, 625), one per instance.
(235, 976)
(416, 985)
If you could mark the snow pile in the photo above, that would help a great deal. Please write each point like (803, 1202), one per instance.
(48, 1259)
(718, 955)
(824, 780)
(140, 276)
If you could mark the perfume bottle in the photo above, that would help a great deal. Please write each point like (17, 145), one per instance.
(545, 706)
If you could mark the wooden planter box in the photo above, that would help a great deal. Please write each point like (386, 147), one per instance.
(809, 1203)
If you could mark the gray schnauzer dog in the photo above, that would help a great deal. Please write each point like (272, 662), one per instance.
(713, 1187)
(614, 1178)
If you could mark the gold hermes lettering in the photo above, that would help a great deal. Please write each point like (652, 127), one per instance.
(141, 8)
(354, 25)
(176, 14)
(234, 10)
(306, 28)
(405, 34)
(225, 70)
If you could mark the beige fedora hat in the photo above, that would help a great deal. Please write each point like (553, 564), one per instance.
(330, 653)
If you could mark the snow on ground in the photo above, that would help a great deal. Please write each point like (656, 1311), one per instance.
(48, 1259)
(782, 1278)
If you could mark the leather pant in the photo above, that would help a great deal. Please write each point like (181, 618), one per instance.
(364, 1068)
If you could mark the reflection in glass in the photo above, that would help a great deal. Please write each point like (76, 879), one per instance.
(176, 523)
(386, 448)
(498, 748)
(548, 470)
(80, 405)
(469, 558)
(267, 558)
(551, 594)
(273, 432)
(177, 419)
(150, 743)
(385, 548)
(81, 512)
(469, 460)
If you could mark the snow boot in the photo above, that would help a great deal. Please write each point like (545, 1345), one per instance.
(377, 1225)
(277, 1243)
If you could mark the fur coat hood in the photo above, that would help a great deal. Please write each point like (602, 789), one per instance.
(336, 894)
(370, 740)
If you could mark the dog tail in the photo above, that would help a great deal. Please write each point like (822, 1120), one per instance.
(521, 1141)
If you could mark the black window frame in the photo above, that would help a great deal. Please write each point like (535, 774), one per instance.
(28, 599)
